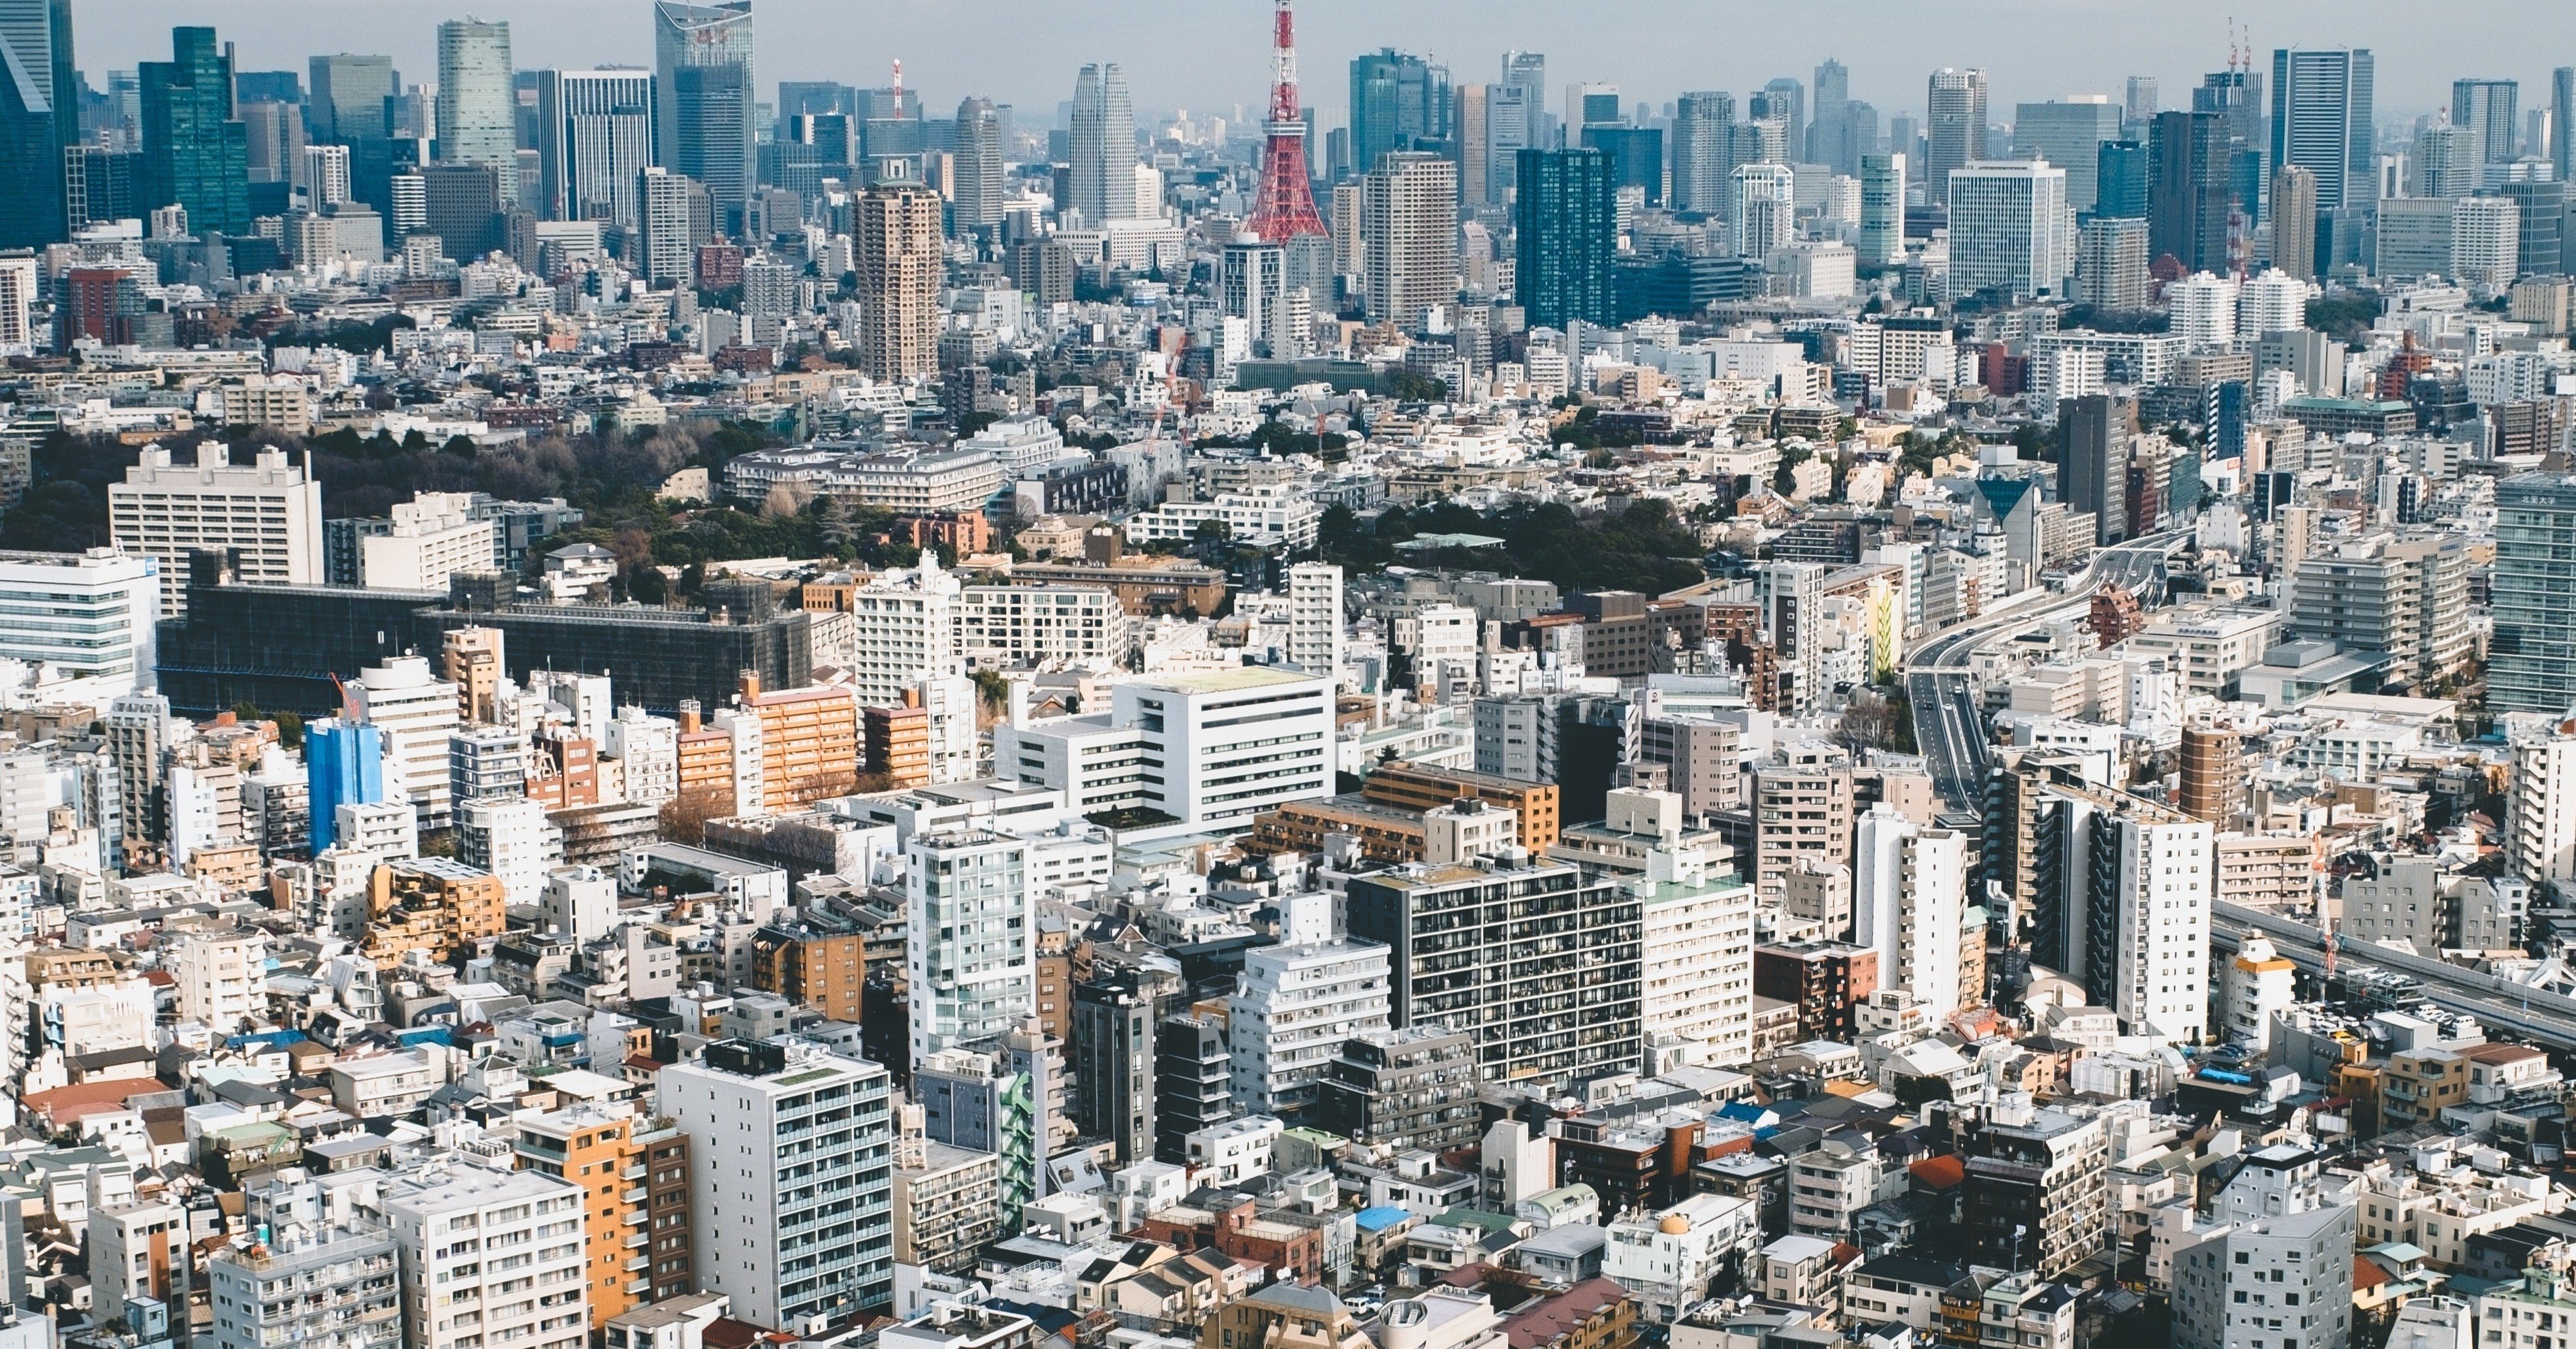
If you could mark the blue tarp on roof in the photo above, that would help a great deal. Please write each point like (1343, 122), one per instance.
(1380, 1218)
(427, 1035)
(274, 1039)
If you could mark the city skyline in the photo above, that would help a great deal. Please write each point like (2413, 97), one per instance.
(2090, 49)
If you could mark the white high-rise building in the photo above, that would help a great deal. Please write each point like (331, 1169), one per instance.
(579, 902)
(2203, 309)
(903, 629)
(323, 176)
(1765, 209)
(1315, 618)
(1223, 747)
(510, 837)
(453, 1228)
(2136, 910)
(1696, 956)
(2486, 241)
(221, 978)
(478, 102)
(2274, 302)
(1101, 146)
(2274, 1263)
(594, 141)
(2540, 809)
(434, 536)
(1909, 902)
(970, 937)
(647, 750)
(1293, 1006)
(2009, 230)
(791, 1183)
(93, 614)
(417, 713)
(267, 514)
(1409, 236)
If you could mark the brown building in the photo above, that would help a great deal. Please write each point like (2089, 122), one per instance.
(2115, 616)
(473, 665)
(430, 904)
(962, 532)
(1617, 642)
(1629, 1164)
(2213, 782)
(1146, 585)
(1283, 1316)
(1237, 1231)
(563, 771)
(637, 1173)
(1418, 788)
(1594, 1314)
(809, 743)
(897, 741)
(1386, 833)
(813, 963)
(1826, 981)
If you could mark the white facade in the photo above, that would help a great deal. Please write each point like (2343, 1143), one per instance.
(269, 513)
(1315, 618)
(434, 536)
(1697, 965)
(510, 837)
(221, 976)
(2259, 984)
(1043, 625)
(89, 614)
(2009, 228)
(1293, 1007)
(2540, 810)
(417, 713)
(1267, 515)
(969, 939)
(790, 1184)
(903, 629)
(2161, 906)
(1909, 902)
(1211, 750)
(1666, 1260)
(647, 750)
(2203, 310)
(490, 1257)
(2274, 1265)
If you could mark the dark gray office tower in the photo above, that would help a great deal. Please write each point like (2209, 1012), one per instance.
(2093, 472)
(1114, 1066)
(39, 116)
(2321, 122)
(1551, 1018)
(2562, 106)
(1192, 1082)
(705, 126)
(2187, 191)
(1829, 133)
(2485, 110)
(2542, 246)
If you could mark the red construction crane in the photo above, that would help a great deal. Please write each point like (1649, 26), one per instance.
(1283, 207)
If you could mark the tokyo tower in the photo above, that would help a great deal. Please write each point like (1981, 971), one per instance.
(1283, 207)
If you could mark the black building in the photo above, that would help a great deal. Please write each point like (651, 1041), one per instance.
(281, 647)
(1114, 1066)
(1192, 1082)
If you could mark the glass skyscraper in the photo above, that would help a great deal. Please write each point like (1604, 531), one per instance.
(196, 154)
(1398, 102)
(38, 117)
(1566, 223)
(704, 123)
(2531, 659)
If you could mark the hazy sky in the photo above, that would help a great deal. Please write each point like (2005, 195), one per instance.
(1212, 54)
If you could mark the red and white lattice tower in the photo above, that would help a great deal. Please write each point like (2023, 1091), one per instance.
(1284, 206)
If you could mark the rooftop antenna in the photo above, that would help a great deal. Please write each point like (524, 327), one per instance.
(898, 88)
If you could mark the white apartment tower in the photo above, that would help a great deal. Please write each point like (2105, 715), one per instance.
(1909, 902)
(417, 713)
(489, 1257)
(1315, 618)
(267, 515)
(791, 1179)
(1409, 236)
(969, 942)
(1293, 1006)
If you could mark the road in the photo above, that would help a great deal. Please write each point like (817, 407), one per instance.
(2545, 1019)
(1949, 712)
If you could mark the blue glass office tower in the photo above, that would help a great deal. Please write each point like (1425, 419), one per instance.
(344, 765)
(1636, 157)
(1567, 223)
(39, 115)
(2120, 184)
(1398, 102)
(196, 154)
